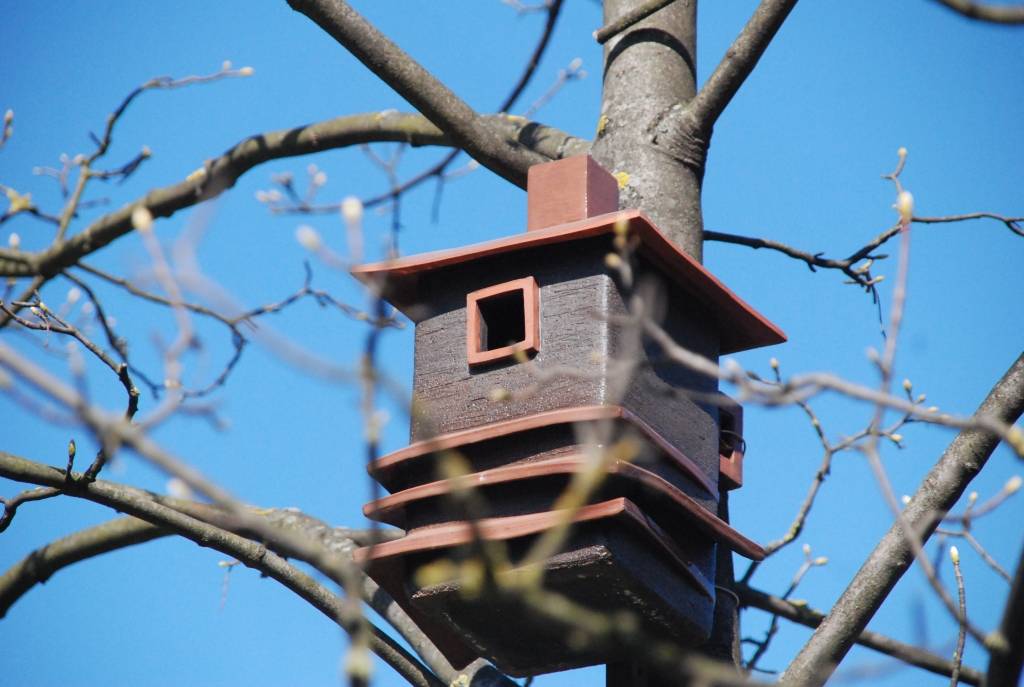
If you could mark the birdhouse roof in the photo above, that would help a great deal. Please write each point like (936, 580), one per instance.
(740, 326)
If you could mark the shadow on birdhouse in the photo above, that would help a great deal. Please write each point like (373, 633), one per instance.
(532, 369)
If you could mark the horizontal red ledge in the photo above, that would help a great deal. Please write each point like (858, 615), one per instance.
(388, 509)
(741, 327)
(381, 467)
(453, 534)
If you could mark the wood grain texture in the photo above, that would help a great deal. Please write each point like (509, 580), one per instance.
(572, 294)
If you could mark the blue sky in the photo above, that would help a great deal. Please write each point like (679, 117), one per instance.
(797, 157)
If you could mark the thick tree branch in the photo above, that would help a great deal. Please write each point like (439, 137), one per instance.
(996, 14)
(739, 61)
(221, 173)
(252, 554)
(1004, 668)
(420, 88)
(41, 564)
(438, 169)
(809, 617)
(941, 488)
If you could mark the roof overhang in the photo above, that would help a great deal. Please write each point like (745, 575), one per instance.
(740, 326)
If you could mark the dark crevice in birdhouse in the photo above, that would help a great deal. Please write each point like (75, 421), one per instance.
(502, 320)
(731, 445)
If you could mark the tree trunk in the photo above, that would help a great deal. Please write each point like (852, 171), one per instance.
(650, 72)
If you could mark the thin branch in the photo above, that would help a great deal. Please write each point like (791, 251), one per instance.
(48, 321)
(438, 169)
(739, 61)
(939, 491)
(420, 88)
(637, 14)
(857, 274)
(11, 505)
(1012, 223)
(553, 10)
(812, 260)
(221, 173)
(804, 386)
(160, 82)
(252, 554)
(961, 635)
(808, 617)
(41, 564)
(996, 14)
(773, 625)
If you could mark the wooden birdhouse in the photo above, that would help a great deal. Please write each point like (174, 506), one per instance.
(530, 365)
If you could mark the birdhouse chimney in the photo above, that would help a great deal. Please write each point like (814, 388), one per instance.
(568, 190)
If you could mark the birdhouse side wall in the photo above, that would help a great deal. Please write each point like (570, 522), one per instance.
(668, 396)
(574, 290)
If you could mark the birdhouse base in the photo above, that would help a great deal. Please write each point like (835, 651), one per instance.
(616, 559)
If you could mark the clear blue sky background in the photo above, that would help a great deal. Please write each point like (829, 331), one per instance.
(797, 157)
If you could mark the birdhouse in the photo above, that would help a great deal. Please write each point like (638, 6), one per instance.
(532, 367)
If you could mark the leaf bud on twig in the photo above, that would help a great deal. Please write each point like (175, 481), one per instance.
(308, 238)
(905, 206)
(1012, 484)
(142, 219)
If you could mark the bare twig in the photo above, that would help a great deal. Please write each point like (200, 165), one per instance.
(856, 266)
(802, 614)
(1012, 223)
(961, 637)
(941, 488)
(739, 61)
(250, 553)
(438, 169)
(814, 261)
(220, 173)
(773, 625)
(41, 564)
(8, 127)
(11, 505)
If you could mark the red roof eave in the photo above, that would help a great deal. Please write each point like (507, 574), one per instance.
(741, 326)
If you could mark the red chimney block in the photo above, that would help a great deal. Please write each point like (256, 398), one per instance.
(568, 190)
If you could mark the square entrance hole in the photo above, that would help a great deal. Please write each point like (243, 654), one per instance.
(502, 321)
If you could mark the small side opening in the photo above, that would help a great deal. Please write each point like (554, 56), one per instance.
(731, 445)
(502, 320)
(728, 438)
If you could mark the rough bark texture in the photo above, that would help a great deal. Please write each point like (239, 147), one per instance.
(649, 72)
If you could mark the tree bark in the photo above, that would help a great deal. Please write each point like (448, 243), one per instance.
(650, 71)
